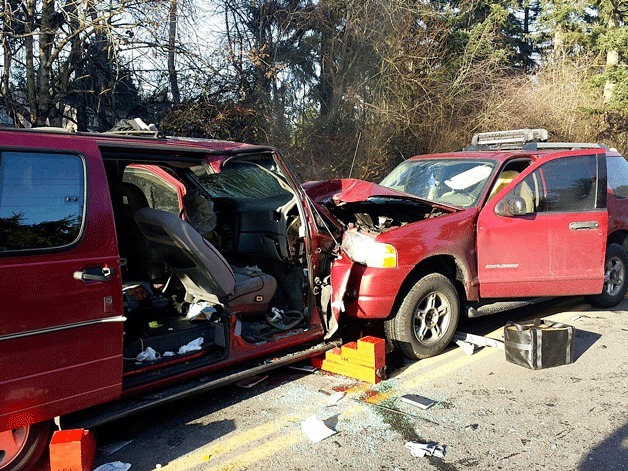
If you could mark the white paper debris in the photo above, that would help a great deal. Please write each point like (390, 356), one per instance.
(467, 348)
(192, 346)
(202, 310)
(315, 429)
(148, 355)
(420, 450)
(335, 398)
(168, 354)
(114, 466)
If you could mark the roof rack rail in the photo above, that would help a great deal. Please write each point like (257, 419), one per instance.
(563, 146)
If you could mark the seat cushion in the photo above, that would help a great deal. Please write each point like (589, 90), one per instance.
(252, 293)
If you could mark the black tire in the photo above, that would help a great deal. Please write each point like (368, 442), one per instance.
(615, 268)
(427, 318)
(21, 448)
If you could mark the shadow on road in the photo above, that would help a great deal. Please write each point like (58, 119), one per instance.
(611, 454)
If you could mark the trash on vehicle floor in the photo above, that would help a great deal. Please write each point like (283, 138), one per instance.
(315, 429)
(114, 466)
(470, 342)
(364, 360)
(251, 381)
(419, 401)
(148, 355)
(420, 450)
(192, 346)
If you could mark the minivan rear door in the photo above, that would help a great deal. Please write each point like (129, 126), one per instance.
(61, 323)
(545, 233)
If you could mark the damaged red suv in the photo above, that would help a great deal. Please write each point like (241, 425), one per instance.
(512, 217)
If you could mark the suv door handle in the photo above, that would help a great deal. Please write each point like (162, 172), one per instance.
(579, 226)
(94, 274)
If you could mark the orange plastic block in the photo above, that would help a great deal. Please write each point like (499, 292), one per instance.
(373, 345)
(365, 352)
(72, 450)
(363, 373)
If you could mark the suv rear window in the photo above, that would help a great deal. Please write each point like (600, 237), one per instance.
(42, 200)
(618, 175)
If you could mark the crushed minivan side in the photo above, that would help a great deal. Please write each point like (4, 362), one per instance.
(132, 264)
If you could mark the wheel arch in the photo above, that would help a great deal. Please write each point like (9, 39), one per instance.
(619, 237)
(445, 264)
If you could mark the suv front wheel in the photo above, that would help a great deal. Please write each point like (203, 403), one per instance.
(615, 266)
(427, 318)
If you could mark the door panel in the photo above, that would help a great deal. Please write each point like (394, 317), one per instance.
(556, 244)
(60, 336)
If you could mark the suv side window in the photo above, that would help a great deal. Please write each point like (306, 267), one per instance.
(159, 193)
(42, 200)
(618, 176)
(561, 185)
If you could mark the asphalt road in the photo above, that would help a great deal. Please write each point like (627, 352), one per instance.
(490, 414)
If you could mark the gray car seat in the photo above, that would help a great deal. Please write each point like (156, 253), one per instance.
(204, 272)
(127, 199)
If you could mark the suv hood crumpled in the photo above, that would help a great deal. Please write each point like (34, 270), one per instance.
(370, 206)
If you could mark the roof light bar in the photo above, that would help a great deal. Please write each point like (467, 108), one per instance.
(516, 136)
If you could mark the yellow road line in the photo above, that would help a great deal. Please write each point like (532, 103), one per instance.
(242, 460)
(425, 370)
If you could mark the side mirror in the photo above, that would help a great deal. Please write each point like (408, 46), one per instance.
(511, 206)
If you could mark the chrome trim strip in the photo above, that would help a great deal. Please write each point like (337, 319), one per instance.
(58, 328)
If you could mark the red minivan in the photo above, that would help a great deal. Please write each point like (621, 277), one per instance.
(120, 277)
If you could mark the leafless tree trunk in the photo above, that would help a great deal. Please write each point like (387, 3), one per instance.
(172, 44)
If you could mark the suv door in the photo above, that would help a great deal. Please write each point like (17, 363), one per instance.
(61, 317)
(545, 233)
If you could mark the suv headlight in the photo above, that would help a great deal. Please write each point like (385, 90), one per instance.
(364, 249)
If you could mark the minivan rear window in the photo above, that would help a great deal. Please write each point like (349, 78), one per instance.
(42, 200)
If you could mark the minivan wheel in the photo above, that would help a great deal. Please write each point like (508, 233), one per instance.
(427, 318)
(21, 448)
(615, 266)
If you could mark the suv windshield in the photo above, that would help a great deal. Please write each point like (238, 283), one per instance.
(458, 182)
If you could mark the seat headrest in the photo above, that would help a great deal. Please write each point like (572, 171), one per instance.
(130, 196)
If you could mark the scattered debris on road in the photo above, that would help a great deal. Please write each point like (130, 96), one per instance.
(251, 381)
(470, 343)
(419, 401)
(420, 450)
(114, 466)
(315, 429)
